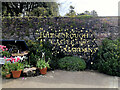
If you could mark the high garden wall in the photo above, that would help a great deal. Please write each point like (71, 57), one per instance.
(73, 36)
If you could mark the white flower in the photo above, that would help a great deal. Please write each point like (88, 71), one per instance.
(91, 62)
(43, 53)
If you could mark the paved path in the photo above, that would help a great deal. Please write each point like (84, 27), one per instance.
(64, 79)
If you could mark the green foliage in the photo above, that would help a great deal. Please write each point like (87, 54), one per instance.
(26, 65)
(6, 68)
(55, 58)
(47, 48)
(34, 47)
(32, 8)
(33, 59)
(36, 50)
(84, 16)
(6, 54)
(39, 11)
(72, 63)
(108, 57)
(16, 66)
(42, 64)
(72, 12)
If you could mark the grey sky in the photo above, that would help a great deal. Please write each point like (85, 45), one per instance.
(103, 7)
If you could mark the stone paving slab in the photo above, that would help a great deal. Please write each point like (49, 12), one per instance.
(64, 79)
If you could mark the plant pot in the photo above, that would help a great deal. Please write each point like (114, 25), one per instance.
(16, 74)
(8, 75)
(43, 71)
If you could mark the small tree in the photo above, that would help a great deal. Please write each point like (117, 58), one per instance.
(72, 12)
(94, 13)
(87, 12)
(40, 11)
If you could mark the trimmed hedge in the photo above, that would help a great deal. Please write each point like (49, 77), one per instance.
(72, 63)
(108, 57)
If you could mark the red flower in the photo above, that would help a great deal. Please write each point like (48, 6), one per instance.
(12, 60)
(8, 59)
(11, 57)
(18, 58)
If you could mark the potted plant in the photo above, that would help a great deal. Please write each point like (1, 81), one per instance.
(16, 69)
(42, 65)
(6, 70)
(6, 74)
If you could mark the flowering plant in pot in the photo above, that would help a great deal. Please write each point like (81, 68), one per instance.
(16, 69)
(6, 70)
(6, 74)
(12, 60)
(4, 51)
(42, 65)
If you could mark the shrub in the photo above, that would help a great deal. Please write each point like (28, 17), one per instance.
(72, 63)
(6, 69)
(36, 50)
(108, 57)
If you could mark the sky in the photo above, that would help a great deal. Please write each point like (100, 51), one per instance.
(103, 7)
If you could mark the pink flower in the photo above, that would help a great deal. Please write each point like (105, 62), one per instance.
(23, 78)
(6, 49)
(3, 49)
(11, 57)
(16, 61)
(4, 46)
(8, 59)
(4, 57)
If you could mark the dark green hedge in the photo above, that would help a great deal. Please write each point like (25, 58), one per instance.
(108, 57)
(72, 63)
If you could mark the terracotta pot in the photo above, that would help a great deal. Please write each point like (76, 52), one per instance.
(16, 74)
(43, 71)
(8, 75)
